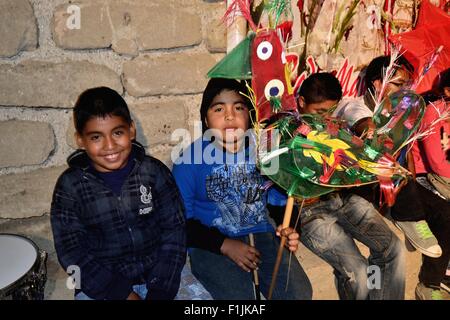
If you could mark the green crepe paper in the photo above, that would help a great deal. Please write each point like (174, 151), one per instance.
(236, 64)
(299, 174)
(278, 8)
(289, 178)
(351, 175)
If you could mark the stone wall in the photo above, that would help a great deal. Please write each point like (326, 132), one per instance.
(155, 53)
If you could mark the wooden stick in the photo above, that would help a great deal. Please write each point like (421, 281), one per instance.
(286, 220)
(255, 272)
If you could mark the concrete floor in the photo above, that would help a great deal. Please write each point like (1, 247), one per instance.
(320, 274)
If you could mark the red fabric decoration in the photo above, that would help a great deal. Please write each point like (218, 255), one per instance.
(286, 30)
(432, 31)
(339, 158)
(303, 129)
(269, 76)
(300, 5)
(388, 192)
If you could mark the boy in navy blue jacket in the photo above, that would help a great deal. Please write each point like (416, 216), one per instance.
(116, 213)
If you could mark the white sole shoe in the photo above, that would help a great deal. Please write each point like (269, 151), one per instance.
(445, 287)
(435, 251)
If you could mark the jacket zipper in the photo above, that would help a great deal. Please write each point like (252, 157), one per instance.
(130, 231)
(119, 198)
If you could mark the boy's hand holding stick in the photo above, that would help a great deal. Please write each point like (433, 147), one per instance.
(255, 272)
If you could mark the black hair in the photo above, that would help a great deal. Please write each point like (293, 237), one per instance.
(214, 87)
(437, 91)
(376, 67)
(320, 87)
(444, 81)
(99, 102)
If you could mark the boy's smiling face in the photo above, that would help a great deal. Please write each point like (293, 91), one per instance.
(228, 114)
(107, 142)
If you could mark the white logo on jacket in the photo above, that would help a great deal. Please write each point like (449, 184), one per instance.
(146, 198)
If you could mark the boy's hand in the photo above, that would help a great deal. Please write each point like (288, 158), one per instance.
(245, 256)
(133, 296)
(364, 128)
(292, 237)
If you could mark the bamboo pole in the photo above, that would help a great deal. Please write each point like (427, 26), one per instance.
(256, 289)
(286, 220)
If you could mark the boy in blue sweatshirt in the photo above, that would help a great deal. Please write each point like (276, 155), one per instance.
(116, 213)
(225, 199)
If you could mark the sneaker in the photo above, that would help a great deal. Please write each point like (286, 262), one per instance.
(421, 237)
(445, 284)
(430, 293)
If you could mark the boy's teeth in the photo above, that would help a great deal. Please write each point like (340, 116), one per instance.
(111, 156)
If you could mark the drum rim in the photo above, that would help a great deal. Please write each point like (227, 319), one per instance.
(6, 290)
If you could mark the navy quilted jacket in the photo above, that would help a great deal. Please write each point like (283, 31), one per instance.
(118, 242)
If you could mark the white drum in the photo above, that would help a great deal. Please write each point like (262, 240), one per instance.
(23, 271)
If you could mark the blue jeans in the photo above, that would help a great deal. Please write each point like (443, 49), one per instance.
(329, 228)
(190, 288)
(227, 281)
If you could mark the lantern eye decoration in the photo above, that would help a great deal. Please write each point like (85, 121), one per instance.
(274, 88)
(264, 50)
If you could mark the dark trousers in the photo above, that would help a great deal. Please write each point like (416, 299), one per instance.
(415, 202)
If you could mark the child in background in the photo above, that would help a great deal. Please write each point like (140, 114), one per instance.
(332, 223)
(433, 176)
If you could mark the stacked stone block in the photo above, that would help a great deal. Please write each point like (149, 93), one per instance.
(155, 53)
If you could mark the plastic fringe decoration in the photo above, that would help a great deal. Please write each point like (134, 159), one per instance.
(236, 8)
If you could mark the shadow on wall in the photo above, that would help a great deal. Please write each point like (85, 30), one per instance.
(140, 137)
